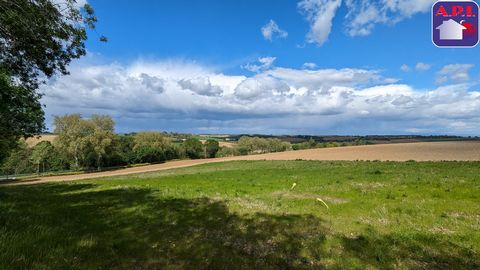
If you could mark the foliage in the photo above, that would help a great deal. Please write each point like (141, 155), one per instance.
(212, 147)
(18, 162)
(20, 113)
(228, 152)
(41, 153)
(256, 145)
(40, 38)
(37, 40)
(153, 147)
(193, 148)
(82, 138)
(101, 137)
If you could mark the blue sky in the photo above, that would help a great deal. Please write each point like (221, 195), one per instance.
(207, 67)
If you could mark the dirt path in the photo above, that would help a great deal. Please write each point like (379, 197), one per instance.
(428, 151)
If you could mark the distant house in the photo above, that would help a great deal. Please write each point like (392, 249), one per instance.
(451, 30)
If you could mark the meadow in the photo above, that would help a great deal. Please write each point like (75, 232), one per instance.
(250, 215)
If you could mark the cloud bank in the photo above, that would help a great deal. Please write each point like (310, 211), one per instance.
(184, 96)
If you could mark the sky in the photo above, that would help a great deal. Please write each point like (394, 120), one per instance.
(316, 67)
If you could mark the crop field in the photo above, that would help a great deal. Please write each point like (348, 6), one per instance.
(250, 215)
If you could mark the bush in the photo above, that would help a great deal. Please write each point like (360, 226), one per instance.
(193, 148)
(212, 148)
(228, 152)
(153, 147)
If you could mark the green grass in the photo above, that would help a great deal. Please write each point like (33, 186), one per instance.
(243, 215)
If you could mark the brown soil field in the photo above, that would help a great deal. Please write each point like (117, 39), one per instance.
(222, 144)
(32, 141)
(424, 151)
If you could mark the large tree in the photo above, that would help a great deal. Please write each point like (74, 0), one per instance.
(40, 155)
(101, 137)
(20, 114)
(72, 137)
(41, 37)
(38, 39)
(79, 137)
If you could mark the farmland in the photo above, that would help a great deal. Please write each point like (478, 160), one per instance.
(249, 214)
(426, 151)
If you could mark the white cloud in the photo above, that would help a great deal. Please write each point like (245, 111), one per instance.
(422, 66)
(405, 68)
(264, 63)
(271, 31)
(454, 73)
(201, 86)
(261, 86)
(363, 15)
(184, 96)
(309, 65)
(320, 14)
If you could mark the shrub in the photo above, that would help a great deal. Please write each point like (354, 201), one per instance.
(193, 148)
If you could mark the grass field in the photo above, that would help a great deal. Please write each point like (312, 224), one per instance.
(244, 215)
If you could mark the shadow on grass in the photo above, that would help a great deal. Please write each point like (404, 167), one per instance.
(65, 226)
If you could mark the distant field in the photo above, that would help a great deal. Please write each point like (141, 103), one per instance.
(424, 151)
(245, 215)
(32, 141)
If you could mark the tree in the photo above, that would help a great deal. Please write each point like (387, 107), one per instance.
(72, 135)
(193, 148)
(40, 154)
(41, 37)
(81, 138)
(121, 151)
(153, 147)
(20, 114)
(101, 136)
(211, 148)
(38, 38)
(18, 160)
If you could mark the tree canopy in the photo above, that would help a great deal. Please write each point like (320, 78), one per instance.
(38, 39)
(41, 37)
(21, 113)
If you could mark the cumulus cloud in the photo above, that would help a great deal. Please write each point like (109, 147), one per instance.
(454, 73)
(271, 31)
(201, 86)
(261, 86)
(184, 96)
(264, 63)
(320, 14)
(422, 66)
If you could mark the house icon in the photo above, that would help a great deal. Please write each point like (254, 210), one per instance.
(451, 30)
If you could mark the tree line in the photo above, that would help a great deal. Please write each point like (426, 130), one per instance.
(91, 143)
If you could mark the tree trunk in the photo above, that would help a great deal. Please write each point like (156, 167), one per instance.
(99, 158)
(76, 161)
